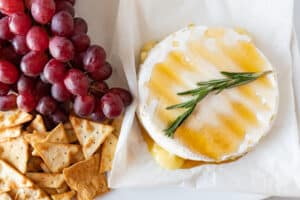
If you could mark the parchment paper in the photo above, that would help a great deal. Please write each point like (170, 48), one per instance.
(273, 167)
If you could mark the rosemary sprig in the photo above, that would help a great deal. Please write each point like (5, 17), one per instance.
(231, 80)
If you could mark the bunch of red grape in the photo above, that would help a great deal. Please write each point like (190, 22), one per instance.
(47, 64)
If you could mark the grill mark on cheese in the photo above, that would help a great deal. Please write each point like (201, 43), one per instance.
(166, 75)
(166, 116)
(247, 91)
(233, 124)
(178, 60)
(245, 55)
(166, 71)
(217, 59)
(208, 140)
(161, 89)
(244, 112)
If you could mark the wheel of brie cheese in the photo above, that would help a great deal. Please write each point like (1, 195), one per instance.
(223, 126)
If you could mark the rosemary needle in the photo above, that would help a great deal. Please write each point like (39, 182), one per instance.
(231, 80)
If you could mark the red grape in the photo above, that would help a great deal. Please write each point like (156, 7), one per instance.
(80, 26)
(19, 23)
(84, 105)
(19, 44)
(8, 53)
(3, 43)
(28, 4)
(43, 78)
(59, 117)
(26, 102)
(5, 33)
(42, 10)
(65, 6)
(42, 89)
(25, 84)
(102, 73)
(54, 71)
(112, 105)
(62, 24)
(4, 89)
(98, 88)
(76, 82)
(77, 60)
(71, 1)
(60, 93)
(81, 42)
(66, 107)
(61, 49)
(32, 64)
(9, 74)
(69, 38)
(37, 39)
(8, 102)
(94, 58)
(11, 6)
(50, 125)
(46, 105)
(98, 115)
(124, 94)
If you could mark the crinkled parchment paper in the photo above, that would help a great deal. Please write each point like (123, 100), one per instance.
(122, 26)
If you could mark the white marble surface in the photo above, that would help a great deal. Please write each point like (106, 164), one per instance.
(179, 194)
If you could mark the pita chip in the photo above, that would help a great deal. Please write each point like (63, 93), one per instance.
(11, 132)
(85, 179)
(90, 134)
(11, 179)
(70, 133)
(50, 191)
(59, 156)
(117, 124)
(64, 188)
(34, 164)
(32, 139)
(45, 168)
(5, 196)
(64, 196)
(47, 180)
(32, 193)
(13, 118)
(107, 153)
(15, 152)
(57, 135)
(38, 125)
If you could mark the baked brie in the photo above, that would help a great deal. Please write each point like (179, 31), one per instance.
(223, 126)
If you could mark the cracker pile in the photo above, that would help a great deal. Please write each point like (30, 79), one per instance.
(69, 161)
